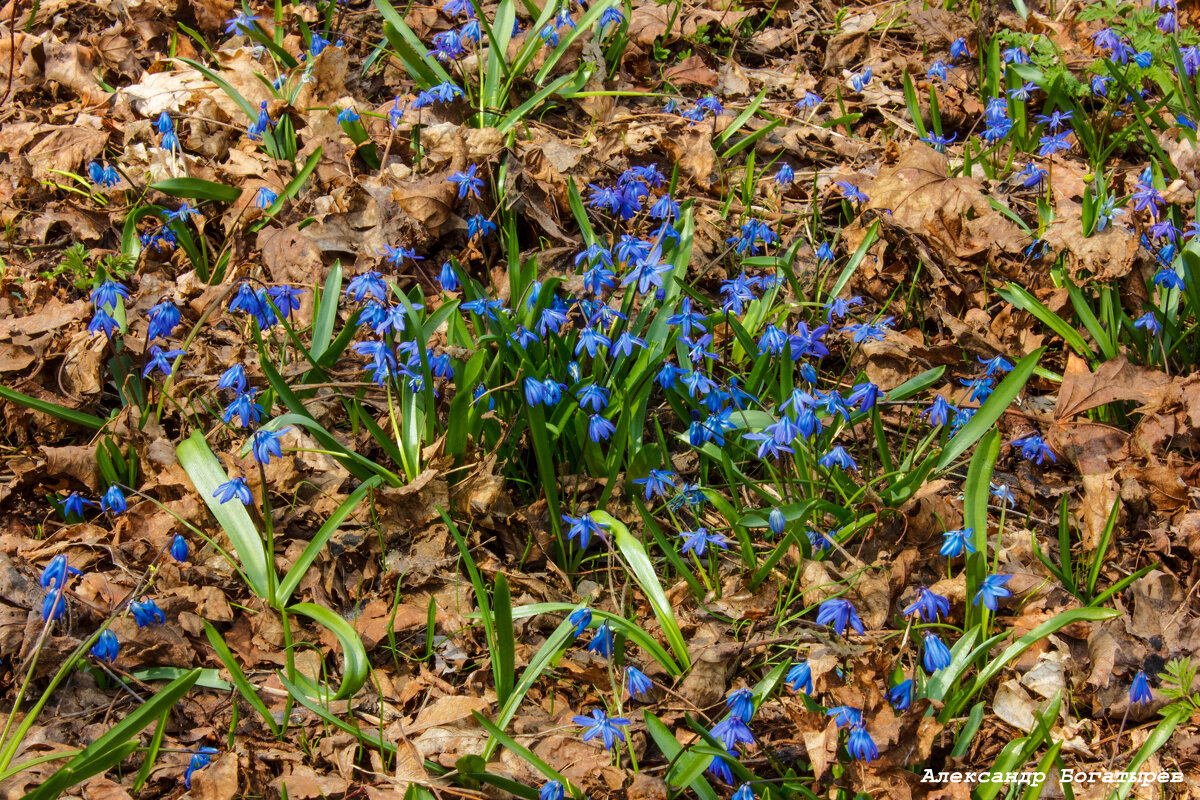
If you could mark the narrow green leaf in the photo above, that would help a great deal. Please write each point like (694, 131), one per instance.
(239, 677)
(354, 655)
(53, 409)
(197, 189)
(991, 410)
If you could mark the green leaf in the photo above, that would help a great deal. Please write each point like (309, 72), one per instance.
(687, 768)
(1024, 301)
(855, 260)
(315, 545)
(197, 189)
(239, 677)
(354, 655)
(644, 573)
(53, 409)
(991, 410)
(323, 713)
(325, 314)
(206, 474)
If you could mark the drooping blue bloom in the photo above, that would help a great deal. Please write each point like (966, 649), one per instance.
(347, 115)
(864, 395)
(995, 364)
(106, 294)
(767, 445)
(839, 612)
(991, 590)
(866, 332)
(957, 541)
(368, 284)
(234, 487)
(202, 757)
(928, 605)
(744, 792)
(939, 411)
(1015, 55)
(583, 527)
(1032, 175)
(164, 318)
(845, 716)
(937, 655)
(658, 483)
(937, 141)
(55, 575)
(72, 505)
(625, 345)
(799, 677)
(147, 612)
(602, 641)
(860, 745)
(1139, 691)
(636, 682)
(1049, 145)
(901, 695)
(580, 618)
(1033, 448)
(106, 647)
(599, 428)
(958, 49)
(785, 175)
(113, 500)
(1022, 92)
(551, 790)
(610, 16)
(447, 46)
(719, 766)
(648, 274)
(732, 731)
(710, 104)
(266, 444)
(1149, 323)
(741, 704)
(179, 548)
(838, 457)
(600, 724)
(549, 36)
(245, 409)
(810, 100)
(466, 182)
(161, 360)
(776, 521)
(861, 80)
(839, 307)
(937, 70)
(1003, 494)
(53, 606)
(103, 321)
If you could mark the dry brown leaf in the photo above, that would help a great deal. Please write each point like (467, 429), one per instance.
(821, 747)
(1082, 390)
(1102, 256)
(217, 781)
(691, 70)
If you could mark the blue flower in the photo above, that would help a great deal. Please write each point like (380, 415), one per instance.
(995, 364)
(1149, 323)
(265, 198)
(860, 81)
(648, 274)
(937, 70)
(839, 612)
(466, 182)
(800, 677)
(928, 605)
(106, 294)
(957, 541)
(368, 284)
(54, 576)
(240, 23)
(939, 411)
(710, 104)
(106, 647)
(551, 790)
(625, 344)
(992, 589)
(580, 618)
(113, 500)
(785, 175)
(584, 527)
(864, 395)
(866, 332)
(53, 606)
(1049, 145)
(776, 521)
(602, 641)
(937, 655)
(1055, 121)
(103, 321)
(448, 278)
(202, 757)
(901, 695)
(1034, 448)
(265, 444)
(161, 360)
(810, 100)
(767, 445)
(1003, 494)
(600, 429)
(600, 724)
(741, 704)
(860, 745)
(845, 716)
(244, 408)
(610, 16)
(179, 548)
(744, 792)
(1139, 691)
(958, 48)
(146, 613)
(286, 299)
(732, 731)
(719, 766)
(659, 482)
(636, 682)
(593, 396)
(851, 192)
(73, 504)
(838, 457)
(164, 318)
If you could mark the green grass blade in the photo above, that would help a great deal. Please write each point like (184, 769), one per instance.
(197, 189)
(354, 655)
(325, 314)
(239, 677)
(317, 708)
(53, 409)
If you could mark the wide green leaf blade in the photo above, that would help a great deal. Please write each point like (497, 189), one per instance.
(197, 189)
(354, 654)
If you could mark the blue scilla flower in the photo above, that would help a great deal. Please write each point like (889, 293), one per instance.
(939, 411)
(864, 395)
(860, 745)
(551, 790)
(845, 716)
(744, 792)
(466, 182)
(995, 364)
(937, 141)
(593, 396)
(1055, 143)
(107, 293)
(160, 360)
(937, 70)
(106, 647)
(959, 48)
(54, 605)
(732, 731)
(179, 548)
(580, 618)
(741, 704)
(286, 299)
(599, 428)
(72, 504)
(1139, 691)
(928, 605)
(368, 284)
(838, 457)
(1149, 323)
(658, 483)
(711, 105)
(265, 198)
(785, 175)
(991, 590)
(767, 445)
(851, 192)
(867, 332)
(599, 724)
(244, 408)
(113, 500)
(636, 682)
(901, 695)
(799, 677)
(697, 541)
(956, 541)
(602, 641)
(839, 612)
(1034, 448)
(266, 444)
(202, 757)
(776, 521)
(1004, 494)
(147, 612)
(861, 80)
(719, 766)
(810, 100)
(772, 341)
(347, 116)
(839, 307)
(937, 655)
(163, 318)
(625, 344)
(104, 322)
(591, 340)
(552, 391)
(55, 575)
(584, 527)
(448, 278)
(234, 487)
(648, 274)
